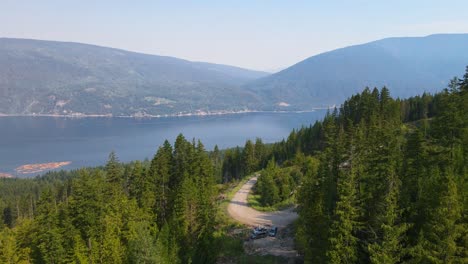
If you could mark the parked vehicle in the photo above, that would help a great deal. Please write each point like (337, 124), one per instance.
(261, 232)
(273, 231)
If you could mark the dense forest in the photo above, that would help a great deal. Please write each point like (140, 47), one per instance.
(391, 186)
(391, 183)
(379, 180)
(159, 212)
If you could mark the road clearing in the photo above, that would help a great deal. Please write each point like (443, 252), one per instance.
(239, 209)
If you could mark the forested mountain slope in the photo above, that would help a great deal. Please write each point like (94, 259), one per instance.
(49, 77)
(409, 66)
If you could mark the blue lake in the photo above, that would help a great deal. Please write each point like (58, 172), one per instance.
(88, 141)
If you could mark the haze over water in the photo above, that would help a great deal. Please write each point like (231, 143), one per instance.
(88, 141)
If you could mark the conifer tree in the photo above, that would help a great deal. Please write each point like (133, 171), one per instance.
(49, 240)
(260, 153)
(114, 170)
(11, 250)
(160, 176)
(311, 206)
(269, 193)
(217, 159)
(140, 187)
(166, 246)
(343, 241)
(248, 158)
(388, 245)
(414, 172)
(142, 243)
(444, 228)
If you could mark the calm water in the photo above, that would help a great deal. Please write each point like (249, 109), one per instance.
(88, 141)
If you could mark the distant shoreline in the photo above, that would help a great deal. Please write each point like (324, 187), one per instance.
(138, 116)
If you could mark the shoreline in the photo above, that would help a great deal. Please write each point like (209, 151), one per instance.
(139, 116)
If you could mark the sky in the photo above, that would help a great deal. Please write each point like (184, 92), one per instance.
(263, 35)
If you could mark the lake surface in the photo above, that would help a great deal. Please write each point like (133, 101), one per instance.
(88, 141)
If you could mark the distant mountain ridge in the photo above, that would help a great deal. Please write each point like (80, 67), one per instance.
(407, 66)
(63, 78)
(49, 77)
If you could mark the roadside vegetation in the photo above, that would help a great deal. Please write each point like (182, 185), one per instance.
(276, 187)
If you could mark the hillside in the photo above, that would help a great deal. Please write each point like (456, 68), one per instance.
(48, 77)
(408, 66)
(61, 78)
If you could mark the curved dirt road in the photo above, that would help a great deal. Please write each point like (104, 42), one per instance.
(239, 210)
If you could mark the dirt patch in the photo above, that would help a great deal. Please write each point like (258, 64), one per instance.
(281, 245)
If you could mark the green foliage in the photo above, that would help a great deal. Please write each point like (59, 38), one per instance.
(266, 185)
(238, 162)
(124, 213)
(113, 169)
(384, 194)
(275, 188)
(343, 235)
(11, 250)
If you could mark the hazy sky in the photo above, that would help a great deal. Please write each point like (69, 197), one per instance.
(262, 34)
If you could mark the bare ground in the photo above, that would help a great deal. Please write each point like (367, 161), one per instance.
(239, 209)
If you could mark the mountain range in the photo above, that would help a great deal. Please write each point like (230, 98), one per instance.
(63, 78)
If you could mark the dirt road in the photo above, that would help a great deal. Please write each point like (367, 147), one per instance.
(239, 210)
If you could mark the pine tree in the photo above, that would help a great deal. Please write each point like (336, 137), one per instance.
(166, 246)
(142, 243)
(414, 172)
(114, 170)
(111, 248)
(388, 246)
(49, 239)
(444, 228)
(160, 175)
(313, 238)
(11, 251)
(206, 211)
(80, 252)
(248, 158)
(217, 159)
(139, 186)
(343, 241)
(269, 193)
(260, 153)
(182, 159)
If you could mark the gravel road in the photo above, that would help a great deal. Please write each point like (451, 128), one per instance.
(239, 210)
